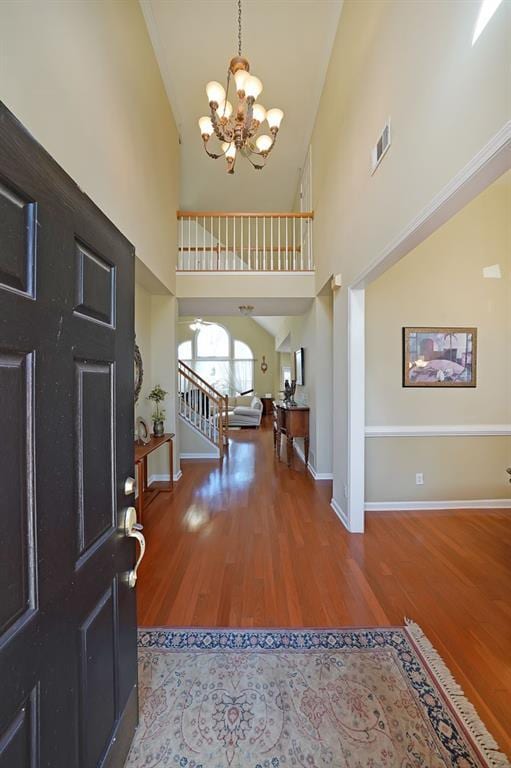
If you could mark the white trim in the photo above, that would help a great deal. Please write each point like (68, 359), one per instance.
(339, 512)
(244, 272)
(410, 506)
(356, 409)
(483, 169)
(211, 456)
(440, 430)
(315, 475)
(164, 478)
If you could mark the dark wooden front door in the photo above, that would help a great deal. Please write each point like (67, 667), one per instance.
(68, 693)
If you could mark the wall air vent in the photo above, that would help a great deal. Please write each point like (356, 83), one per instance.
(381, 147)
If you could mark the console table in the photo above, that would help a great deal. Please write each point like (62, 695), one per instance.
(146, 493)
(291, 421)
(267, 405)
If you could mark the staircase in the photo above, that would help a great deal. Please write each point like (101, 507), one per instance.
(202, 407)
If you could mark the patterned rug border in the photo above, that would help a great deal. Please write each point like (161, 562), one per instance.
(298, 639)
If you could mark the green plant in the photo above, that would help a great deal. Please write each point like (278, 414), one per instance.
(157, 395)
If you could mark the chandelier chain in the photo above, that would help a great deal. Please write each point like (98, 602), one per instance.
(239, 27)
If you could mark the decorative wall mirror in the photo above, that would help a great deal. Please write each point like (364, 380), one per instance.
(139, 372)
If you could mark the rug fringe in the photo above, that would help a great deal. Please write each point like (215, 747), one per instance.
(454, 693)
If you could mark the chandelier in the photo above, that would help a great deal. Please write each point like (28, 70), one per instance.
(237, 130)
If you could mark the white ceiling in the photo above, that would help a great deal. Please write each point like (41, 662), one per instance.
(203, 307)
(288, 45)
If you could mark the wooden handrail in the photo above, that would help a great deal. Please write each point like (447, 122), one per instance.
(217, 395)
(200, 388)
(244, 215)
(223, 249)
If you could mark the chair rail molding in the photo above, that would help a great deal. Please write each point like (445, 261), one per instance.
(440, 430)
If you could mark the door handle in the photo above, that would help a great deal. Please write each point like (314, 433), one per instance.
(132, 529)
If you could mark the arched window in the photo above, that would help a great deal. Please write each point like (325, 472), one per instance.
(184, 351)
(225, 363)
(212, 341)
(243, 367)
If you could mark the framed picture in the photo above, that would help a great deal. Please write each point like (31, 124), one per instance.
(299, 367)
(439, 357)
(143, 435)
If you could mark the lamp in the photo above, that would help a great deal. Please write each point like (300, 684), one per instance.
(237, 128)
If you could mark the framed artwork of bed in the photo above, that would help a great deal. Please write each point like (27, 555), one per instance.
(439, 357)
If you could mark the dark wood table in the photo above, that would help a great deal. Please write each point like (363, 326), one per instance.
(146, 493)
(291, 421)
(267, 405)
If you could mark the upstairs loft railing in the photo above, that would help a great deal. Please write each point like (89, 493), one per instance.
(244, 242)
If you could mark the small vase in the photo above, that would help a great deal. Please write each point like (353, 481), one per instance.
(158, 428)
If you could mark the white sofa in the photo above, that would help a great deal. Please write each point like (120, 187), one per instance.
(244, 412)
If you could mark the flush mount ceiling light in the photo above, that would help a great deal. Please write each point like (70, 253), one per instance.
(246, 309)
(237, 129)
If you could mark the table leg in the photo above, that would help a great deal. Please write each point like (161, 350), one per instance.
(289, 450)
(145, 473)
(171, 463)
(306, 450)
(140, 488)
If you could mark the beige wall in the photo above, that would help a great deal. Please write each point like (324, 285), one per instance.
(440, 283)
(155, 324)
(260, 341)
(83, 78)
(446, 98)
(313, 331)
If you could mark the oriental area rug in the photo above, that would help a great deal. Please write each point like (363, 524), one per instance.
(344, 698)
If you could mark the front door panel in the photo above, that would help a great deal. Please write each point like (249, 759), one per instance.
(67, 614)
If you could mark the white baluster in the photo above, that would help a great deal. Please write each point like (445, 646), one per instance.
(271, 243)
(264, 243)
(279, 244)
(242, 222)
(293, 222)
(249, 258)
(257, 264)
(301, 242)
(287, 244)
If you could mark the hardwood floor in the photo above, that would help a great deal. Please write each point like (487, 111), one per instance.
(252, 543)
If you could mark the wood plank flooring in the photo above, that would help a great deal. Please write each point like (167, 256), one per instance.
(252, 543)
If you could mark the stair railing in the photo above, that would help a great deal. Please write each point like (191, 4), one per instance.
(203, 406)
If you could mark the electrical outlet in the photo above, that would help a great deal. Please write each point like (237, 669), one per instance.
(419, 478)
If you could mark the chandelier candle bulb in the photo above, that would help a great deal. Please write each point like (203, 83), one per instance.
(240, 78)
(259, 113)
(224, 109)
(206, 127)
(253, 87)
(274, 117)
(215, 92)
(263, 143)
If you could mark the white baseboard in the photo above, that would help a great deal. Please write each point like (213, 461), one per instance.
(441, 430)
(212, 456)
(339, 512)
(315, 475)
(164, 478)
(396, 506)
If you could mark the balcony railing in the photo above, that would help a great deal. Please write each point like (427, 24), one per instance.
(244, 242)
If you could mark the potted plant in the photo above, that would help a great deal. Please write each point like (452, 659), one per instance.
(157, 395)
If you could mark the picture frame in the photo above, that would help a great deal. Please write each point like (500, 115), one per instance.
(440, 357)
(300, 367)
(143, 433)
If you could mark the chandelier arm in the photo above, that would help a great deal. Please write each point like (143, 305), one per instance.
(248, 119)
(218, 129)
(212, 154)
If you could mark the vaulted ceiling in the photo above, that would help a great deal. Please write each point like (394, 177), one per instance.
(288, 45)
